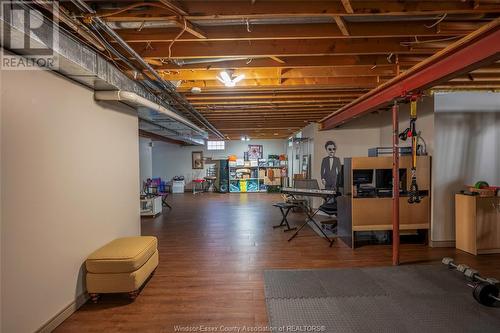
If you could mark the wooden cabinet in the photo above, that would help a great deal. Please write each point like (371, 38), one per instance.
(374, 212)
(477, 224)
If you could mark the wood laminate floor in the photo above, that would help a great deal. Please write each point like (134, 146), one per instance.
(213, 251)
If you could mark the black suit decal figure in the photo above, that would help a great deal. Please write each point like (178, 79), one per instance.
(330, 167)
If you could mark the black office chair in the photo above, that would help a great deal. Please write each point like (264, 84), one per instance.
(330, 209)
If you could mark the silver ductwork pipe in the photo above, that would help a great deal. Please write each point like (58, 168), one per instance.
(80, 63)
(83, 6)
(131, 98)
(77, 27)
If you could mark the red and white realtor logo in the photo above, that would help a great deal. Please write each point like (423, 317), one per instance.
(28, 36)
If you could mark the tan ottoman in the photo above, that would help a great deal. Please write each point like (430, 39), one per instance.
(121, 266)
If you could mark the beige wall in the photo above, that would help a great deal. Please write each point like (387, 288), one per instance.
(1, 202)
(70, 171)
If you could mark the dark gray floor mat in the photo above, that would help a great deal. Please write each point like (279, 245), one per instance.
(292, 284)
(359, 283)
(419, 298)
(299, 312)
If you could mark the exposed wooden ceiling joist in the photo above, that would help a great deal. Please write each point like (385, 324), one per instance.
(331, 82)
(342, 25)
(269, 73)
(280, 48)
(241, 10)
(285, 102)
(301, 59)
(347, 6)
(270, 97)
(297, 31)
(295, 61)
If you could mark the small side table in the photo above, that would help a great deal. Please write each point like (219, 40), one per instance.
(198, 182)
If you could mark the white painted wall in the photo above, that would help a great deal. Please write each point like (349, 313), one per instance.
(467, 149)
(70, 181)
(145, 159)
(171, 160)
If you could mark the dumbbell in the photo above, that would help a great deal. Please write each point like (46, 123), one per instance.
(451, 264)
(485, 293)
(474, 276)
(470, 273)
(485, 290)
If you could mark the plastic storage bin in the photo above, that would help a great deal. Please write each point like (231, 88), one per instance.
(178, 186)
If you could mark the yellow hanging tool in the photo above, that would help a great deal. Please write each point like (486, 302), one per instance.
(414, 195)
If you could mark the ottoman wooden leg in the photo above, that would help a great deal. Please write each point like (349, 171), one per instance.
(133, 294)
(94, 297)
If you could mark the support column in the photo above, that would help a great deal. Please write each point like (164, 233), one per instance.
(395, 185)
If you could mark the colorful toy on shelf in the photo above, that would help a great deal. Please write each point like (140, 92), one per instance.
(252, 185)
(234, 186)
(243, 185)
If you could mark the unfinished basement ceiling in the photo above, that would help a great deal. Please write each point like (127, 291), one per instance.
(302, 60)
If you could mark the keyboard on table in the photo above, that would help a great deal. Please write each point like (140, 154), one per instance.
(307, 192)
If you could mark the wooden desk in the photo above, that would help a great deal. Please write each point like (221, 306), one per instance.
(375, 213)
(477, 224)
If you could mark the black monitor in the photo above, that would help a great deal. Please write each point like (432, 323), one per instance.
(383, 179)
(362, 176)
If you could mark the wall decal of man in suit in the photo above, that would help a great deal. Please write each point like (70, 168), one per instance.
(330, 167)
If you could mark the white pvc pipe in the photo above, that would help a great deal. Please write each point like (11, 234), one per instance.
(127, 96)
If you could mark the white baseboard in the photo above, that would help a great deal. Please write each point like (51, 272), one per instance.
(450, 243)
(63, 314)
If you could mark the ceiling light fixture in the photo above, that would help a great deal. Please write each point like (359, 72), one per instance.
(226, 78)
(245, 138)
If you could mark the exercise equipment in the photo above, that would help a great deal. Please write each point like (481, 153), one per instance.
(481, 185)
(411, 132)
(484, 290)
